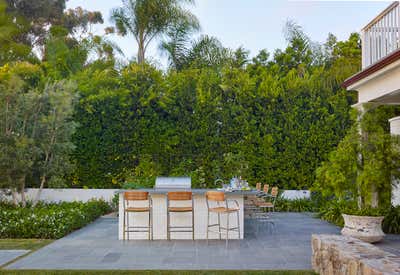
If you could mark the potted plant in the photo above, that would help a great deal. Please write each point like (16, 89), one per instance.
(364, 224)
(360, 171)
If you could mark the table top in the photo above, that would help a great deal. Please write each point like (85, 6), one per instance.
(194, 191)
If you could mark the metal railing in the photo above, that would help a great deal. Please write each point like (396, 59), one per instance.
(381, 36)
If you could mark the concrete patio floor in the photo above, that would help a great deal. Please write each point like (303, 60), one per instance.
(96, 247)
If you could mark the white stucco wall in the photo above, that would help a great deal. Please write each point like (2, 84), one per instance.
(378, 84)
(71, 194)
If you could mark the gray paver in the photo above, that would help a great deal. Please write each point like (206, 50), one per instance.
(9, 255)
(96, 247)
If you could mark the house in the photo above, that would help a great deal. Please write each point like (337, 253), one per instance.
(379, 80)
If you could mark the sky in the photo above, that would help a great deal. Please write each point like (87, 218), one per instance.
(255, 24)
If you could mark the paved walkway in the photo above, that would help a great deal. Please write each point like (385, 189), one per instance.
(9, 255)
(391, 243)
(96, 247)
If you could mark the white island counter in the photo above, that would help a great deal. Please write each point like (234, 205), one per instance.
(182, 219)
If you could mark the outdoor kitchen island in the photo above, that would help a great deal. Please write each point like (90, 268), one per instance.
(159, 215)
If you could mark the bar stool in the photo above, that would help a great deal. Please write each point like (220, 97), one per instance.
(130, 198)
(221, 207)
(269, 205)
(258, 187)
(179, 196)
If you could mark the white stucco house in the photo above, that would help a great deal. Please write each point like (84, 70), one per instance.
(378, 82)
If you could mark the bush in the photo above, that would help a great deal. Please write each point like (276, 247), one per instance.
(391, 223)
(297, 205)
(332, 212)
(48, 220)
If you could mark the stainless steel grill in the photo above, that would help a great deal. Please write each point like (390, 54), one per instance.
(173, 183)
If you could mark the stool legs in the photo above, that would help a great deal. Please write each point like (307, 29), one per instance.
(184, 228)
(227, 228)
(219, 225)
(238, 222)
(123, 227)
(128, 227)
(193, 225)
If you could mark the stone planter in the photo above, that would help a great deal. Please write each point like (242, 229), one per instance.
(367, 229)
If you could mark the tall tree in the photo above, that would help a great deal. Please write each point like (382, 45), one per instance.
(36, 127)
(34, 20)
(148, 19)
(10, 29)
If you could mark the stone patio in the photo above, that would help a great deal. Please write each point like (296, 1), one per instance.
(288, 246)
(9, 255)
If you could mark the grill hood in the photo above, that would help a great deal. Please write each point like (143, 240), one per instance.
(173, 183)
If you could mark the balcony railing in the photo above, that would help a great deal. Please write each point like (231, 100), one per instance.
(381, 36)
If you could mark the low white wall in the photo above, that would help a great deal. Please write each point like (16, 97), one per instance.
(296, 194)
(76, 194)
(70, 194)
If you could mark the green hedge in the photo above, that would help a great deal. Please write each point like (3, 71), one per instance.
(48, 221)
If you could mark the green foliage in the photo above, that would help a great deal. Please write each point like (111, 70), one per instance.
(48, 221)
(363, 165)
(149, 19)
(296, 205)
(332, 211)
(391, 222)
(36, 128)
(10, 29)
(217, 114)
(313, 204)
(238, 118)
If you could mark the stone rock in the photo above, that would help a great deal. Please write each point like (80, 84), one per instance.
(337, 255)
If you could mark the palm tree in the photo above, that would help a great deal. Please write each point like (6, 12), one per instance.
(206, 51)
(149, 19)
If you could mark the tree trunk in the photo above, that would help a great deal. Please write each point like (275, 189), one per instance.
(141, 52)
(361, 113)
(22, 190)
(14, 195)
(39, 192)
(374, 197)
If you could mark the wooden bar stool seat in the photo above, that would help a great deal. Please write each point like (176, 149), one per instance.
(174, 197)
(137, 209)
(130, 198)
(221, 207)
(180, 209)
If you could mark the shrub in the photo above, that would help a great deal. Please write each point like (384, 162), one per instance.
(297, 205)
(312, 204)
(391, 223)
(332, 212)
(48, 220)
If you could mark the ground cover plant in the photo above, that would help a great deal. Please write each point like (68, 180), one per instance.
(48, 220)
